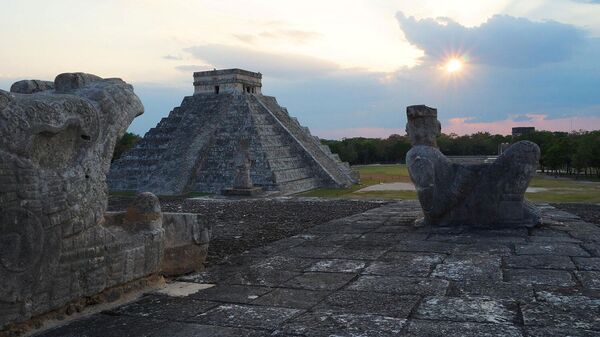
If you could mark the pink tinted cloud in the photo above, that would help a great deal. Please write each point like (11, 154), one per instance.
(368, 132)
(462, 125)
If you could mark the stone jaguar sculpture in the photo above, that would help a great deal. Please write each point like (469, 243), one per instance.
(487, 194)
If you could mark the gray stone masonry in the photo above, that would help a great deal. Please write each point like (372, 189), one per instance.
(376, 274)
(194, 150)
(57, 244)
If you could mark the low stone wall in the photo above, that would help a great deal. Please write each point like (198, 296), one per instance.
(186, 243)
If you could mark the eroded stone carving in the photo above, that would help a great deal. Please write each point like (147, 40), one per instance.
(242, 182)
(56, 142)
(57, 243)
(468, 194)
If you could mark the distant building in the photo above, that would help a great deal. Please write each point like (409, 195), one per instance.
(522, 130)
(227, 81)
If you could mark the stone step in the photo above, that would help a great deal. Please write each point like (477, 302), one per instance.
(326, 149)
(301, 185)
(273, 140)
(339, 174)
(282, 176)
(275, 152)
(266, 129)
(285, 163)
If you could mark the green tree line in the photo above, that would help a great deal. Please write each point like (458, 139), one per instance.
(574, 153)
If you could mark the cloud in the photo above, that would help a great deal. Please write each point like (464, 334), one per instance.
(277, 65)
(277, 31)
(172, 57)
(503, 40)
(190, 68)
(464, 125)
(489, 95)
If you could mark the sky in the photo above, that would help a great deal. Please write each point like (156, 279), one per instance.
(344, 68)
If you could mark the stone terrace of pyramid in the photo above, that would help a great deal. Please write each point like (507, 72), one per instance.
(193, 149)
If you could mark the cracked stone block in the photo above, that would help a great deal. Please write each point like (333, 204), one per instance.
(540, 277)
(310, 252)
(425, 246)
(247, 316)
(261, 277)
(557, 332)
(231, 293)
(367, 253)
(551, 248)
(568, 312)
(291, 298)
(333, 240)
(280, 262)
(489, 248)
(587, 263)
(215, 274)
(405, 264)
(320, 281)
(469, 267)
(483, 310)
(497, 290)
(337, 228)
(569, 296)
(422, 328)
(539, 262)
(164, 308)
(338, 266)
(471, 238)
(369, 303)
(593, 248)
(387, 239)
(544, 239)
(323, 324)
(177, 329)
(101, 325)
(589, 279)
(400, 285)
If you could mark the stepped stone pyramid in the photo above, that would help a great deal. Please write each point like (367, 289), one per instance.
(194, 148)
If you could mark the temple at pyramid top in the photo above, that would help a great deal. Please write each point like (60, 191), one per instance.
(228, 126)
(227, 81)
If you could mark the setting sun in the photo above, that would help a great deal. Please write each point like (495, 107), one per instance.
(453, 65)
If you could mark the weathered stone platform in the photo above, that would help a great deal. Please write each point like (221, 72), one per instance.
(375, 274)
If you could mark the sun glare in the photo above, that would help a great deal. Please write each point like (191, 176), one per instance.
(453, 65)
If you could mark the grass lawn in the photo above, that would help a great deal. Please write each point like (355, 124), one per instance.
(564, 190)
(370, 175)
(558, 189)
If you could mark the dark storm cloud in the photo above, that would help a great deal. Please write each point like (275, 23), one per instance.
(503, 40)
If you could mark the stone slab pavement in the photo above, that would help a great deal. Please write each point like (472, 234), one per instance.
(375, 274)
